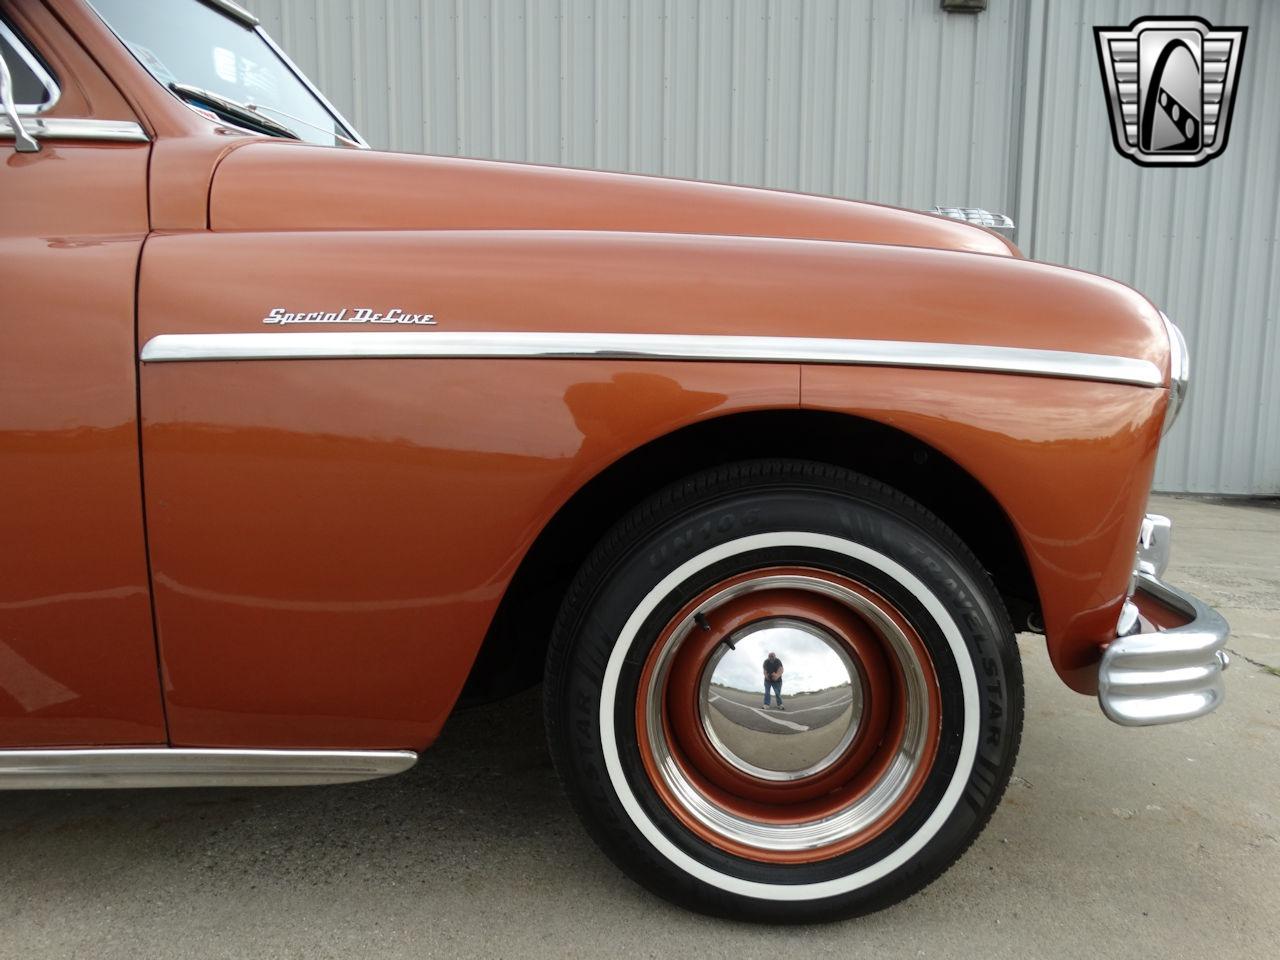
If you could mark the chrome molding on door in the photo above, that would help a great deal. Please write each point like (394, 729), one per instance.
(190, 767)
(648, 346)
(71, 128)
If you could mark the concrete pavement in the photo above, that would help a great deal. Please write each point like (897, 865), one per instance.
(1110, 842)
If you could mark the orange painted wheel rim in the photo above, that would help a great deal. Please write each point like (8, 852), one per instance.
(858, 792)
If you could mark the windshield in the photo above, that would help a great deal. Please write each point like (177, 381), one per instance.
(190, 43)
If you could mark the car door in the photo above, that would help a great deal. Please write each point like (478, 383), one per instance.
(77, 646)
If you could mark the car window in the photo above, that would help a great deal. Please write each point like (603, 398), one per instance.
(191, 43)
(34, 88)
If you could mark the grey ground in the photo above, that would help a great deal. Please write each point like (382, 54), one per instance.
(1162, 842)
(800, 735)
(810, 710)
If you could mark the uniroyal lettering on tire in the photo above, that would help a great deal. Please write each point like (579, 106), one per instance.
(906, 690)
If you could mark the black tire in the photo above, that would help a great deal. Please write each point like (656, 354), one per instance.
(971, 643)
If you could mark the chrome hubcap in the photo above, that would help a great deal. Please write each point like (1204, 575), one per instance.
(789, 739)
(805, 744)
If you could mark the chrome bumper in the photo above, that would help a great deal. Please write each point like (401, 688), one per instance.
(1162, 676)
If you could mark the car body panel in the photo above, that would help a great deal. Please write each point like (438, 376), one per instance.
(339, 518)
(330, 538)
(270, 186)
(620, 282)
(77, 650)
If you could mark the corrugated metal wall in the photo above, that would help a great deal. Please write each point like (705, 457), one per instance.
(886, 100)
(1201, 242)
(825, 96)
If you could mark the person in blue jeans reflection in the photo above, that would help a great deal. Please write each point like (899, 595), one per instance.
(773, 679)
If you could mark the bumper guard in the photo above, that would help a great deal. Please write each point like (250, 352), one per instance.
(1163, 675)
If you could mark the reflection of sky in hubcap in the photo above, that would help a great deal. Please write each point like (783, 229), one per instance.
(820, 690)
(809, 663)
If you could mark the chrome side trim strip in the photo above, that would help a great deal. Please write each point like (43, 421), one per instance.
(189, 767)
(70, 128)
(647, 346)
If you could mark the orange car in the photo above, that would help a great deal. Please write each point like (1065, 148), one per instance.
(305, 444)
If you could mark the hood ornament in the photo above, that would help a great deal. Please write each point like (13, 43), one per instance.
(979, 218)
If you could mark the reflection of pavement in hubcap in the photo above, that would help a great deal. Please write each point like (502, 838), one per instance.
(821, 716)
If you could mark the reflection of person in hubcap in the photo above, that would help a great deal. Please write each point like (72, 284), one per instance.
(773, 679)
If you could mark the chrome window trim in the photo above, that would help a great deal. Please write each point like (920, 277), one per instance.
(315, 91)
(43, 75)
(235, 11)
(62, 769)
(73, 128)
(644, 346)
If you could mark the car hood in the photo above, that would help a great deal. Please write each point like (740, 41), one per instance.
(275, 185)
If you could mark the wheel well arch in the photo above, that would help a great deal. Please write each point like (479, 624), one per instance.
(514, 649)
